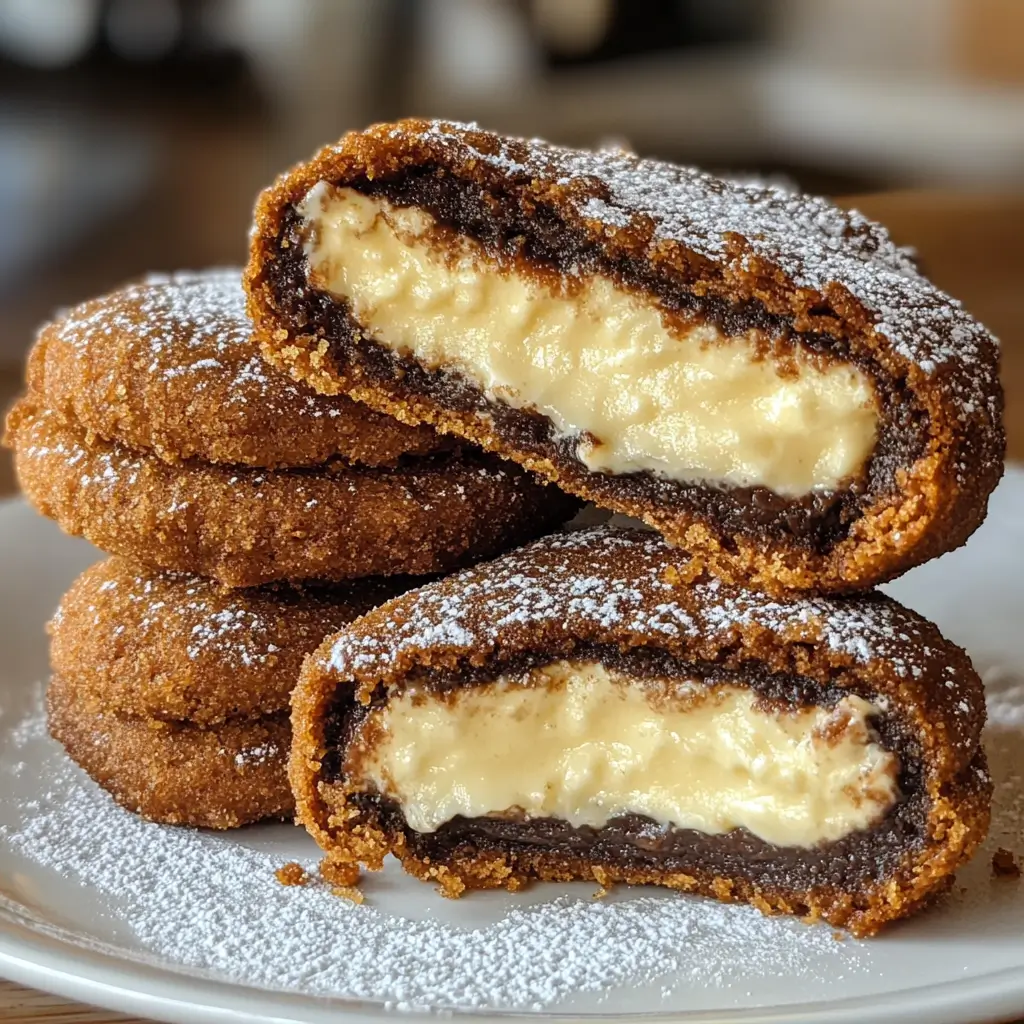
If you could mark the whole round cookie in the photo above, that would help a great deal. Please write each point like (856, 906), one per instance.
(176, 647)
(220, 777)
(169, 364)
(246, 527)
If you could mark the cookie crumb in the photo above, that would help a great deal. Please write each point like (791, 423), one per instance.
(1004, 864)
(339, 875)
(684, 574)
(291, 874)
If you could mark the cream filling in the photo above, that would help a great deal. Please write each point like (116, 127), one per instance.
(583, 744)
(600, 363)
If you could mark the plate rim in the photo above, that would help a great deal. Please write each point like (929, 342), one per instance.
(101, 977)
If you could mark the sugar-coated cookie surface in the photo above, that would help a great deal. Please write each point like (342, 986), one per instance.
(764, 378)
(169, 364)
(222, 776)
(560, 693)
(181, 648)
(246, 527)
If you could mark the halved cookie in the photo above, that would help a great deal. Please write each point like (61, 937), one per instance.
(564, 712)
(764, 378)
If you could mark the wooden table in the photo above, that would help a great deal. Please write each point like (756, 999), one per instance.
(970, 245)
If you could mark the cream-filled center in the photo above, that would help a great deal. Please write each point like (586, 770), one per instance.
(687, 404)
(584, 744)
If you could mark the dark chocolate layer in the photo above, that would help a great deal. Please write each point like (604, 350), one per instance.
(636, 842)
(540, 239)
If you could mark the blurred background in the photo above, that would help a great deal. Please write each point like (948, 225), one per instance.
(134, 134)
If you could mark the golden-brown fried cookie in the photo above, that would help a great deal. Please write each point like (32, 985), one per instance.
(169, 364)
(575, 715)
(765, 379)
(218, 777)
(249, 527)
(181, 648)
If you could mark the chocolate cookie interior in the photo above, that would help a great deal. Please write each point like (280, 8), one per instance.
(637, 762)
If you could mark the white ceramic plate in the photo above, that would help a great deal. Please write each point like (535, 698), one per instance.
(190, 927)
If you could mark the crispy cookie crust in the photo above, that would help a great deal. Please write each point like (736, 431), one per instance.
(170, 365)
(179, 648)
(219, 777)
(247, 527)
(792, 264)
(608, 587)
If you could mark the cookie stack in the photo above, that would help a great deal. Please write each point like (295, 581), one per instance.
(772, 386)
(719, 703)
(172, 692)
(248, 517)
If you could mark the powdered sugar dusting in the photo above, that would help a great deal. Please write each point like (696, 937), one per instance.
(263, 754)
(812, 241)
(541, 584)
(770, 230)
(193, 325)
(236, 630)
(1006, 697)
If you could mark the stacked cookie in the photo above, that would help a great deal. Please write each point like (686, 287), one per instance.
(152, 427)
(771, 385)
(172, 692)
